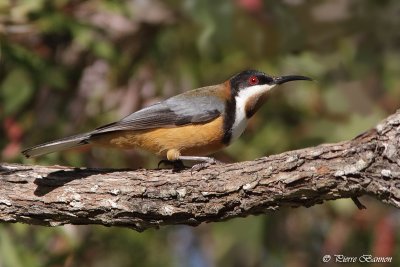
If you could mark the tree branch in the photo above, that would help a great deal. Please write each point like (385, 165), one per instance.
(140, 199)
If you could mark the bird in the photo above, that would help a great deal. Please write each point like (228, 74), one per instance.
(187, 127)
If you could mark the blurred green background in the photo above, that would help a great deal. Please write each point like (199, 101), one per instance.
(70, 66)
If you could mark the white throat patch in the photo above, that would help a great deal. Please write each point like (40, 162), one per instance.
(243, 96)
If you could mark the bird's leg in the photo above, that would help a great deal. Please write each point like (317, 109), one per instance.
(204, 162)
(173, 160)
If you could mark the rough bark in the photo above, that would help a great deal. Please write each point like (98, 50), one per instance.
(367, 165)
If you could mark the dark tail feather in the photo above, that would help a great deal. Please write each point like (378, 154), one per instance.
(57, 145)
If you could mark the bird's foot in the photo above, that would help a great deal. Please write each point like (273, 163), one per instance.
(177, 165)
(205, 162)
(201, 166)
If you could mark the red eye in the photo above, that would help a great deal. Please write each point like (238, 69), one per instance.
(253, 80)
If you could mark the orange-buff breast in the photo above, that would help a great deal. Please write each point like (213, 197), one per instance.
(190, 140)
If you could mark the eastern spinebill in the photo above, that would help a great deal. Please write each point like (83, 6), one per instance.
(188, 126)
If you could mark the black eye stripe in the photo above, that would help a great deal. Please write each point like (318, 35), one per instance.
(265, 80)
(241, 80)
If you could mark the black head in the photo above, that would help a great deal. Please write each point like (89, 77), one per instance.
(250, 78)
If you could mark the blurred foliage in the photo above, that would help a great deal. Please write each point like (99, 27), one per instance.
(69, 66)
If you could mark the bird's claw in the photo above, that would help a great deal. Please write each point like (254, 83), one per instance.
(177, 165)
(204, 165)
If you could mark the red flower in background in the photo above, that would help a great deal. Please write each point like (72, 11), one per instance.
(13, 132)
(250, 5)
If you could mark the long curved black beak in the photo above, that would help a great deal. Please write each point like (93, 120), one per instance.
(284, 79)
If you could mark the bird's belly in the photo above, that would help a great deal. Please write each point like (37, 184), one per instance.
(192, 140)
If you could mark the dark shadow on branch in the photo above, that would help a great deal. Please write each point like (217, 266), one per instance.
(59, 178)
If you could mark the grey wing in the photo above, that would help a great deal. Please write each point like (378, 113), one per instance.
(180, 110)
